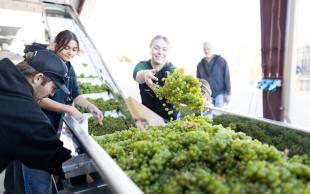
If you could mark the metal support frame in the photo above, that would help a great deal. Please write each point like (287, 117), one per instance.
(289, 60)
(109, 171)
(273, 30)
(278, 123)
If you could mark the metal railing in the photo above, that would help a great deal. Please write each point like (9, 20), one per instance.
(278, 123)
(109, 171)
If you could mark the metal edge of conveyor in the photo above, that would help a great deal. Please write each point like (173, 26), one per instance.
(278, 123)
(109, 171)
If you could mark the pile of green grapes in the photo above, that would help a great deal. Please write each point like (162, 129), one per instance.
(82, 75)
(103, 105)
(194, 156)
(109, 125)
(87, 88)
(180, 89)
(283, 138)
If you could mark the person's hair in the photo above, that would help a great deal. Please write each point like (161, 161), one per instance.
(157, 38)
(26, 69)
(205, 86)
(63, 38)
(29, 71)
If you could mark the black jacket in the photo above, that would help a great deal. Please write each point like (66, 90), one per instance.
(25, 132)
(149, 98)
(62, 97)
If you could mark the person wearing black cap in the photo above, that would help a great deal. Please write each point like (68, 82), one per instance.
(26, 133)
(66, 46)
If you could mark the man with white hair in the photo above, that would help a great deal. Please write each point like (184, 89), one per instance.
(214, 69)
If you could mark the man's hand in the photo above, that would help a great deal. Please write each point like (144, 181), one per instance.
(227, 99)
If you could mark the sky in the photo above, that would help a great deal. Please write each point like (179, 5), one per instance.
(302, 32)
(126, 27)
(122, 27)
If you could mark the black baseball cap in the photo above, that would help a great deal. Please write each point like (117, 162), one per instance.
(48, 63)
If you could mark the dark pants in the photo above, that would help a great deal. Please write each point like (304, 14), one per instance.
(9, 179)
(13, 180)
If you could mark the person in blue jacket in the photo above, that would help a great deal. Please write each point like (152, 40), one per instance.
(214, 69)
(66, 46)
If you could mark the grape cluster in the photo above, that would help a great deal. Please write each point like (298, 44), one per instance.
(87, 88)
(283, 138)
(109, 125)
(194, 156)
(180, 89)
(82, 75)
(101, 104)
(117, 103)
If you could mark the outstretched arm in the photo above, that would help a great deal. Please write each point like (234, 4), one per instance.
(52, 105)
(146, 76)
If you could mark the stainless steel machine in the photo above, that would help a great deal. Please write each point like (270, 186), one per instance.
(91, 160)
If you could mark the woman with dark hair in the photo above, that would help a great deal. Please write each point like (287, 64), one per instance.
(66, 46)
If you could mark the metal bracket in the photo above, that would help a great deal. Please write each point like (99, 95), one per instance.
(78, 165)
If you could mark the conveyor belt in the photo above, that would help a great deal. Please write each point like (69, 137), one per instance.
(117, 181)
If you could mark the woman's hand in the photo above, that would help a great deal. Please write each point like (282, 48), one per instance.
(96, 113)
(149, 76)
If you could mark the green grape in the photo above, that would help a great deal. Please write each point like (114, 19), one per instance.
(194, 156)
(87, 88)
(109, 125)
(101, 104)
(179, 90)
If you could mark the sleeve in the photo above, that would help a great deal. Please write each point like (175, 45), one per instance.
(171, 68)
(140, 66)
(74, 84)
(198, 71)
(227, 79)
(39, 146)
(35, 47)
